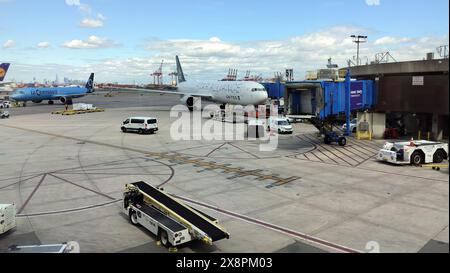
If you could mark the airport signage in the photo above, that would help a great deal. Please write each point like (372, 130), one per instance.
(356, 95)
(418, 80)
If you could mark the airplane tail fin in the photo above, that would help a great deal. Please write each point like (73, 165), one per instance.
(3, 70)
(90, 84)
(180, 71)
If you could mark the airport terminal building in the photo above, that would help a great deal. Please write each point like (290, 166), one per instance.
(414, 94)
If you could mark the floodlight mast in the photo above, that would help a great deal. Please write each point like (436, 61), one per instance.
(358, 39)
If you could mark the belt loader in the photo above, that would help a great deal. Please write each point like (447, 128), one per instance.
(172, 221)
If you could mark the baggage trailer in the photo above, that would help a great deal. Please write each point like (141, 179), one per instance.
(173, 222)
(413, 152)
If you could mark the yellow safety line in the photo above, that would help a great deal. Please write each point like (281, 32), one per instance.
(435, 166)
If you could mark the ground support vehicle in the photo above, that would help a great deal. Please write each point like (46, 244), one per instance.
(172, 221)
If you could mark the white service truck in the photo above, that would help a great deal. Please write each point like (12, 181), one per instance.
(83, 107)
(7, 217)
(414, 152)
(4, 114)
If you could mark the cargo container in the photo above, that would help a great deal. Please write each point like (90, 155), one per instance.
(327, 98)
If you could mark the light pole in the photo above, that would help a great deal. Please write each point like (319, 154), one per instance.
(358, 39)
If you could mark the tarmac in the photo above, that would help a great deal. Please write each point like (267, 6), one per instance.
(66, 175)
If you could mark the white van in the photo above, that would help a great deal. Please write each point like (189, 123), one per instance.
(141, 125)
(7, 217)
(5, 104)
(280, 125)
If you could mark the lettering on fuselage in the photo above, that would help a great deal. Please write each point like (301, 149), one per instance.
(39, 92)
(229, 97)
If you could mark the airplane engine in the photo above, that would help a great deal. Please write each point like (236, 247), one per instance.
(189, 102)
(65, 100)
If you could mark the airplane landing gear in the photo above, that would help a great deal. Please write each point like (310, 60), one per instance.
(222, 111)
(50, 102)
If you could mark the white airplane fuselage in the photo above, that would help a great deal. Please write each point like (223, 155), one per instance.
(226, 92)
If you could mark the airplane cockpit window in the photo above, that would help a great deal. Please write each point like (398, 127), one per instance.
(258, 89)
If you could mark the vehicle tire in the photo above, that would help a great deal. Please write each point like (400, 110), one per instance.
(438, 156)
(416, 159)
(133, 218)
(124, 129)
(342, 141)
(164, 238)
(140, 131)
(354, 130)
(327, 140)
(279, 131)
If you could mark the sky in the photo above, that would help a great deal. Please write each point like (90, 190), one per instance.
(125, 41)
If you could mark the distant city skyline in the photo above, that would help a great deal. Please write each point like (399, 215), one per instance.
(126, 41)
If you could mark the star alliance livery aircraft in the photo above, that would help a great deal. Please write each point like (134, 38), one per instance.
(223, 92)
(63, 94)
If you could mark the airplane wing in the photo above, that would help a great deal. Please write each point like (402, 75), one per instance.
(71, 96)
(5, 83)
(164, 92)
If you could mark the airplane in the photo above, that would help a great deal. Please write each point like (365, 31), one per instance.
(223, 92)
(63, 94)
(3, 70)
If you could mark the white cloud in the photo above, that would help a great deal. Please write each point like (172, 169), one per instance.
(82, 7)
(9, 44)
(43, 45)
(93, 42)
(91, 23)
(73, 2)
(101, 17)
(387, 40)
(215, 39)
(211, 58)
(373, 2)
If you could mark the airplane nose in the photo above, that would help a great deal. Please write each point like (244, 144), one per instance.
(264, 97)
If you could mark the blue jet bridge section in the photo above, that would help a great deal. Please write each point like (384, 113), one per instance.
(325, 99)
(275, 90)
